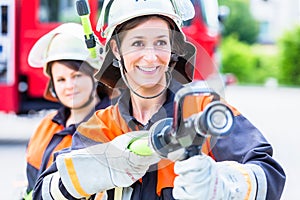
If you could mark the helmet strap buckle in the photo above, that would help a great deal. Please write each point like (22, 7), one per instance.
(116, 63)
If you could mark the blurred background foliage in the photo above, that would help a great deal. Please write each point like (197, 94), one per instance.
(252, 62)
(289, 57)
(240, 22)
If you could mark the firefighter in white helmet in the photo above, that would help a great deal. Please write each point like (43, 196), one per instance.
(147, 55)
(66, 61)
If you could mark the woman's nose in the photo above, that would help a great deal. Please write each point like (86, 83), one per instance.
(150, 54)
(70, 82)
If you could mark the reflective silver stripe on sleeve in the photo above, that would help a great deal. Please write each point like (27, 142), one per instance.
(127, 192)
(261, 181)
(54, 188)
(46, 187)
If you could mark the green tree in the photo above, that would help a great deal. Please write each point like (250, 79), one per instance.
(237, 58)
(251, 64)
(289, 50)
(240, 21)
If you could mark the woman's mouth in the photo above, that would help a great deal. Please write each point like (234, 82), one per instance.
(71, 95)
(147, 69)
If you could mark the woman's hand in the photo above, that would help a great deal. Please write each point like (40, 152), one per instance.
(200, 177)
(103, 166)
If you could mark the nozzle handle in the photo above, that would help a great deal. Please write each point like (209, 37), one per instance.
(140, 146)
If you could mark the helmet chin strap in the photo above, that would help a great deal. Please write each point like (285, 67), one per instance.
(168, 80)
(88, 102)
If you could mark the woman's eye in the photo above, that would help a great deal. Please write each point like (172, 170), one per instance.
(60, 80)
(138, 44)
(161, 43)
(77, 75)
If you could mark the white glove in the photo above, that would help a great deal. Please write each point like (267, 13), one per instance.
(103, 166)
(200, 177)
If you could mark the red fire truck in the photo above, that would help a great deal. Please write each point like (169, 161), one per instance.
(22, 22)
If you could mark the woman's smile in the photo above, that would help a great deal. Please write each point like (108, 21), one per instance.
(148, 70)
(146, 54)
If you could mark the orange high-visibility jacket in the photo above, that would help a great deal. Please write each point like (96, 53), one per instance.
(51, 136)
(245, 144)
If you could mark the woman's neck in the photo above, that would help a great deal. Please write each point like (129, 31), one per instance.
(77, 115)
(144, 109)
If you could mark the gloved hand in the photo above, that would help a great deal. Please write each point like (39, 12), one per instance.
(103, 166)
(200, 177)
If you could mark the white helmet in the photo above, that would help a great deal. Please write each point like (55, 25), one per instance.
(116, 12)
(64, 42)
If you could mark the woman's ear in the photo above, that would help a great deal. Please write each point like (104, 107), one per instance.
(115, 49)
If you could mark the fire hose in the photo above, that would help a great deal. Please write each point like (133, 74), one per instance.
(182, 137)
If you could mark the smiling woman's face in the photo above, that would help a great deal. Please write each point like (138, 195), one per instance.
(146, 51)
(73, 88)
